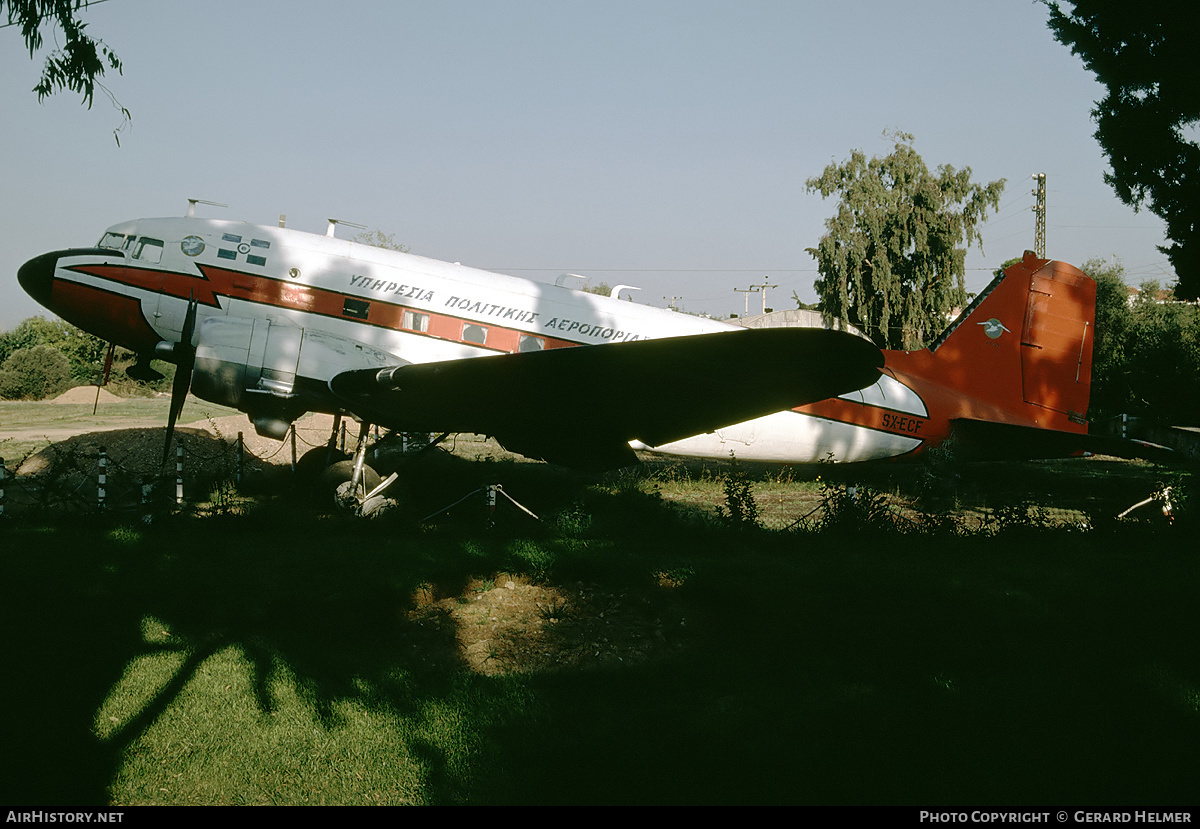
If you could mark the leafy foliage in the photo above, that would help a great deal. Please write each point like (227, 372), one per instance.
(34, 373)
(379, 239)
(84, 352)
(892, 261)
(78, 62)
(853, 509)
(741, 509)
(1146, 359)
(1144, 53)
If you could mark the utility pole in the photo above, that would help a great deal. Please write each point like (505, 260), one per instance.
(1039, 233)
(763, 290)
(753, 289)
(673, 302)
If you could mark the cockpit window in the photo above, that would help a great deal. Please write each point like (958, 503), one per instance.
(113, 241)
(148, 250)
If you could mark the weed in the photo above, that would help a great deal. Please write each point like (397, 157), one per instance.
(1021, 513)
(939, 478)
(740, 510)
(530, 558)
(555, 612)
(850, 508)
(574, 521)
(673, 577)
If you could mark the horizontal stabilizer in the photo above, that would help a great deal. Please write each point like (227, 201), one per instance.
(581, 406)
(988, 440)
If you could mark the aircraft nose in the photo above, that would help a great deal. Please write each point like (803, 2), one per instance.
(37, 277)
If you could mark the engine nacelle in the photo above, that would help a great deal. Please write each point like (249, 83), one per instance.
(260, 367)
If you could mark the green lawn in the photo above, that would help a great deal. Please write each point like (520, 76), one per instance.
(273, 659)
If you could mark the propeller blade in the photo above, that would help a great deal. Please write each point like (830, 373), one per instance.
(185, 363)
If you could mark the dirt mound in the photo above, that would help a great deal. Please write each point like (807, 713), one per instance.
(136, 454)
(210, 450)
(86, 394)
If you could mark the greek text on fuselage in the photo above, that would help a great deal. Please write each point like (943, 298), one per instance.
(367, 283)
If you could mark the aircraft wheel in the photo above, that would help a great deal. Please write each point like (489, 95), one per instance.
(378, 506)
(315, 461)
(336, 479)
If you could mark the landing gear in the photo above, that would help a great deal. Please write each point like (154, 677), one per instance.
(353, 484)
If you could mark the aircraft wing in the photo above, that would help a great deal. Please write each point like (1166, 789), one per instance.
(581, 406)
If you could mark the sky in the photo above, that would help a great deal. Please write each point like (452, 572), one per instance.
(657, 143)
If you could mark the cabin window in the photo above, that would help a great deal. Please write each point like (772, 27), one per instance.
(356, 308)
(148, 250)
(414, 321)
(529, 343)
(474, 334)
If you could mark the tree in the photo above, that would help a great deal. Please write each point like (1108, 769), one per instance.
(1163, 357)
(1144, 54)
(84, 352)
(78, 62)
(893, 258)
(1146, 356)
(34, 373)
(379, 239)
(1111, 392)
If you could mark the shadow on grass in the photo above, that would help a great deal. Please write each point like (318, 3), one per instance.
(1027, 668)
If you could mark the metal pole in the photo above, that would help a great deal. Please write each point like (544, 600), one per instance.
(3, 475)
(293, 439)
(240, 450)
(179, 474)
(1039, 233)
(102, 482)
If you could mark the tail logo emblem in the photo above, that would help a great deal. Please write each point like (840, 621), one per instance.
(993, 328)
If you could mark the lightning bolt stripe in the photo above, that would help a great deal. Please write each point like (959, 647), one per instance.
(213, 283)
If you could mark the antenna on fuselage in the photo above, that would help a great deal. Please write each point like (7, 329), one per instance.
(333, 223)
(191, 214)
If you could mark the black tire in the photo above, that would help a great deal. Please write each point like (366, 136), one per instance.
(315, 461)
(341, 472)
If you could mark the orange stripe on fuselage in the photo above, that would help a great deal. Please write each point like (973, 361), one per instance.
(213, 283)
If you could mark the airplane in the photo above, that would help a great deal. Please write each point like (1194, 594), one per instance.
(278, 322)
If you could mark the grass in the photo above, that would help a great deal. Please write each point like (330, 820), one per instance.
(24, 426)
(269, 659)
(266, 655)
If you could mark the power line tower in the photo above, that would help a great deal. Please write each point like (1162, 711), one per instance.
(1039, 233)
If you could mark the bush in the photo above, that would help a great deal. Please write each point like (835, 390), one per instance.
(34, 373)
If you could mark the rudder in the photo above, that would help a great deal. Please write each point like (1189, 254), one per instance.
(1028, 340)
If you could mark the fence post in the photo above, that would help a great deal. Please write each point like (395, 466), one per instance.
(490, 499)
(147, 500)
(179, 474)
(102, 480)
(240, 448)
(3, 475)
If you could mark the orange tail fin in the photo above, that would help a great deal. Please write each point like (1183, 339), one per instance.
(1021, 353)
